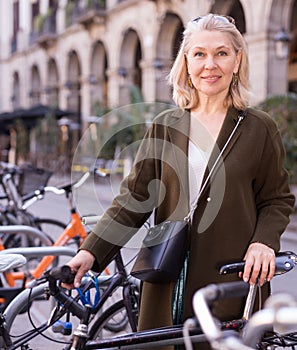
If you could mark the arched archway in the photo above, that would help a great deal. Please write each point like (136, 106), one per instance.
(35, 91)
(73, 84)
(168, 43)
(129, 65)
(98, 78)
(231, 8)
(281, 17)
(15, 97)
(52, 87)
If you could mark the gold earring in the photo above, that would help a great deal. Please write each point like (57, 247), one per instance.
(190, 84)
(234, 79)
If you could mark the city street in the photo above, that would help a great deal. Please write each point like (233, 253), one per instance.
(88, 202)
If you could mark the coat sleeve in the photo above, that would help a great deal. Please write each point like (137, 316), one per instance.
(129, 209)
(274, 201)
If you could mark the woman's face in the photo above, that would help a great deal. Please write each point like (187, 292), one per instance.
(211, 62)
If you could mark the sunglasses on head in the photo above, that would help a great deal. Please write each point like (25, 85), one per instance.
(226, 19)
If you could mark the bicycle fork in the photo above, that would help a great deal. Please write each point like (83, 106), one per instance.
(81, 333)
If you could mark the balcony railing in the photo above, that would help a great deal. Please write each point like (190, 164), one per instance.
(45, 31)
(93, 11)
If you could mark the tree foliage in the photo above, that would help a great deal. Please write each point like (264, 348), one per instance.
(283, 109)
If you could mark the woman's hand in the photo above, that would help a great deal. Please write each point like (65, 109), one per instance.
(81, 263)
(259, 262)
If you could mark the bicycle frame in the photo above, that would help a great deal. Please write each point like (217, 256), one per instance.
(75, 229)
(166, 335)
(49, 285)
(209, 330)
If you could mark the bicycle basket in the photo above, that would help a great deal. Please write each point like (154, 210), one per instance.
(32, 178)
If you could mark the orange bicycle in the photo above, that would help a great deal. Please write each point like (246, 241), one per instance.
(75, 231)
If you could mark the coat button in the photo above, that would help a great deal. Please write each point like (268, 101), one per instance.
(208, 199)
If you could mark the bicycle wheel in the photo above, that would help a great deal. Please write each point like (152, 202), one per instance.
(113, 320)
(19, 326)
(52, 228)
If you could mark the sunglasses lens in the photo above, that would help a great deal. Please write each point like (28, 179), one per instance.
(227, 19)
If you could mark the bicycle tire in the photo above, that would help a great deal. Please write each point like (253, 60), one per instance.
(17, 322)
(105, 321)
(43, 224)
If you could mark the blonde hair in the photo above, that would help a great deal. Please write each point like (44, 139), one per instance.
(187, 97)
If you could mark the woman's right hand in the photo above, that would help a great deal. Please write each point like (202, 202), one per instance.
(81, 263)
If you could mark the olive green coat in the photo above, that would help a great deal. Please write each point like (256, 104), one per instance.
(248, 201)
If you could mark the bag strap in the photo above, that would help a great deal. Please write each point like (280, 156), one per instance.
(241, 116)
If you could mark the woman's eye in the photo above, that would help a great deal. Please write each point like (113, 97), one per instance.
(222, 53)
(199, 54)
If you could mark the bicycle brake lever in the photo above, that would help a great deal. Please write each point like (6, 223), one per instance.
(36, 282)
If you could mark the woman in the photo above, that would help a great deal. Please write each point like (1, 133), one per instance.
(246, 208)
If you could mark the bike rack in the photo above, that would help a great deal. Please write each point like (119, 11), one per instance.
(26, 230)
(40, 251)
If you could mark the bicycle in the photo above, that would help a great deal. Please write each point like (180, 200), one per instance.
(16, 183)
(251, 328)
(101, 316)
(88, 334)
(280, 310)
(74, 233)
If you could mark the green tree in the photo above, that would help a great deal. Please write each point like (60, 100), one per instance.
(283, 109)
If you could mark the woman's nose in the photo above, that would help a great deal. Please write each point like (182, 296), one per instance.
(210, 63)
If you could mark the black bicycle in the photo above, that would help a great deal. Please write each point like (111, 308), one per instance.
(88, 332)
(108, 303)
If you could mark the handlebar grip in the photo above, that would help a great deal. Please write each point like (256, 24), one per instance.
(232, 290)
(63, 273)
(226, 290)
(284, 262)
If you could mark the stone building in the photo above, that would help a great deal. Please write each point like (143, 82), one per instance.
(78, 54)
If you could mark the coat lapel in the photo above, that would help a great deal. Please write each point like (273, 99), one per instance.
(178, 136)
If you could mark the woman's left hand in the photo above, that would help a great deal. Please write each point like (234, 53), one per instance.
(259, 262)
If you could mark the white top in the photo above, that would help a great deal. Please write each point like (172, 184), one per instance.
(200, 148)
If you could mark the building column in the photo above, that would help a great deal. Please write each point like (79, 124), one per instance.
(258, 56)
(148, 80)
(114, 82)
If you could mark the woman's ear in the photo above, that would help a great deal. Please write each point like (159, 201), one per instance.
(238, 60)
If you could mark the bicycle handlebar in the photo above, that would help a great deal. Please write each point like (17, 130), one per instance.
(275, 313)
(214, 292)
(227, 290)
(38, 194)
(284, 262)
(62, 273)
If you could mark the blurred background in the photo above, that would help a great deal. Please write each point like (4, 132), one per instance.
(64, 64)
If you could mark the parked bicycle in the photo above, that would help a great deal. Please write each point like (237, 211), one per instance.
(17, 183)
(103, 313)
(88, 333)
(252, 331)
(279, 312)
(74, 233)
